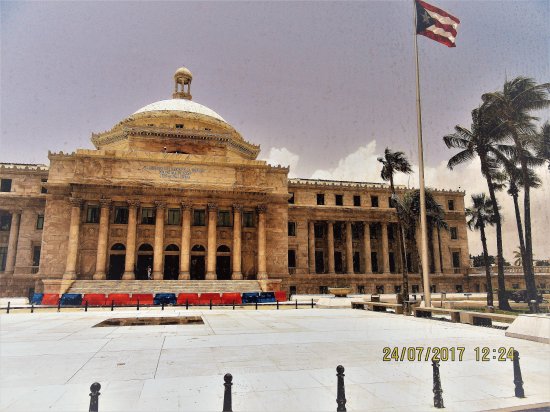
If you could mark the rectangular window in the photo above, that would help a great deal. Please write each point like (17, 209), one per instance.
(3, 257)
(454, 233)
(433, 289)
(390, 202)
(36, 255)
(415, 288)
(319, 229)
(291, 258)
(121, 215)
(451, 204)
(5, 222)
(199, 217)
(40, 222)
(92, 214)
(374, 261)
(459, 288)
(5, 185)
(397, 289)
(323, 290)
(43, 189)
(356, 200)
(319, 261)
(337, 227)
(291, 228)
(361, 289)
(380, 289)
(456, 259)
(291, 291)
(224, 218)
(374, 201)
(338, 262)
(174, 216)
(248, 219)
(320, 199)
(339, 200)
(356, 230)
(373, 231)
(291, 198)
(147, 216)
(356, 262)
(179, 126)
(515, 285)
(391, 234)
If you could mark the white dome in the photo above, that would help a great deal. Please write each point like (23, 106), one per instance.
(180, 105)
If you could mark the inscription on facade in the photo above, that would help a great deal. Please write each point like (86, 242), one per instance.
(166, 172)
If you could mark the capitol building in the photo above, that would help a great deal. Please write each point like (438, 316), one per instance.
(173, 192)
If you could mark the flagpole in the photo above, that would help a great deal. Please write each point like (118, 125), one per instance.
(423, 220)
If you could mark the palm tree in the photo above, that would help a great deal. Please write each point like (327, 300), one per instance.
(479, 216)
(394, 162)
(512, 108)
(543, 143)
(483, 140)
(518, 257)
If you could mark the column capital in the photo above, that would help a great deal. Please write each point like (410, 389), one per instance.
(331, 222)
(261, 209)
(159, 204)
(133, 203)
(185, 206)
(105, 203)
(15, 211)
(76, 201)
(237, 207)
(212, 207)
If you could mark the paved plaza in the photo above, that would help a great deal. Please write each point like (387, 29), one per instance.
(280, 360)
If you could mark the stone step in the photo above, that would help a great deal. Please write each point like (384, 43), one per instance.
(168, 286)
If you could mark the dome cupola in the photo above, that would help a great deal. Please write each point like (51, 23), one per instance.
(182, 84)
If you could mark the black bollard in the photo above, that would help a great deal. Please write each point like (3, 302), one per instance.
(186, 304)
(277, 305)
(227, 401)
(112, 305)
(311, 303)
(296, 303)
(341, 390)
(210, 304)
(438, 398)
(59, 305)
(137, 305)
(517, 377)
(86, 306)
(256, 305)
(8, 308)
(94, 397)
(32, 307)
(162, 307)
(233, 305)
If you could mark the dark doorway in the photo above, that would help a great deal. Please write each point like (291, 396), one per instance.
(374, 261)
(223, 267)
(171, 267)
(196, 270)
(319, 262)
(116, 267)
(356, 262)
(143, 261)
(338, 264)
(392, 262)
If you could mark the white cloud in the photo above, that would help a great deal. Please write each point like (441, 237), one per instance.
(284, 157)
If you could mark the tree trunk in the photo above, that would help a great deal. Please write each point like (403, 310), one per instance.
(502, 295)
(487, 267)
(528, 270)
(402, 250)
(431, 248)
(520, 229)
(439, 246)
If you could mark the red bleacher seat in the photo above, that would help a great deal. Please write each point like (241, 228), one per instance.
(144, 299)
(118, 298)
(280, 296)
(50, 299)
(192, 298)
(93, 299)
(230, 298)
(205, 298)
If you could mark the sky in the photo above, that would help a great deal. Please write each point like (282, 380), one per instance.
(322, 86)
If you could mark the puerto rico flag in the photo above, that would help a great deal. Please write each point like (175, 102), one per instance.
(436, 24)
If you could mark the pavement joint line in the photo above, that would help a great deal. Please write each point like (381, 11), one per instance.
(158, 360)
(85, 363)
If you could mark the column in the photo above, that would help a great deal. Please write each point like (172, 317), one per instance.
(185, 241)
(330, 238)
(130, 261)
(12, 241)
(158, 247)
(74, 231)
(212, 242)
(262, 264)
(437, 261)
(366, 247)
(237, 212)
(385, 249)
(311, 240)
(102, 238)
(349, 249)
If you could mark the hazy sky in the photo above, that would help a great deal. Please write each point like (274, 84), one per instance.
(314, 83)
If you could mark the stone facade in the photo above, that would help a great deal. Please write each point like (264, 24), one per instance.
(176, 189)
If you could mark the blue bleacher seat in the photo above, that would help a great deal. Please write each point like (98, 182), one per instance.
(266, 297)
(250, 297)
(71, 299)
(166, 298)
(37, 298)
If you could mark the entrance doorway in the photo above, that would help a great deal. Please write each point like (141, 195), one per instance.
(197, 265)
(319, 262)
(117, 257)
(171, 262)
(144, 260)
(223, 263)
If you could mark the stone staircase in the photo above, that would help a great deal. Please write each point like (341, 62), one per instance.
(166, 286)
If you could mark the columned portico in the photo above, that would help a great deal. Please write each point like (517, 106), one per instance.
(262, 264)
(185, 241)
(102, 238)
(311, 246)
(236, 273)
(385, 249)
(367, 247)
(159, 241)
(12, 241)
(349, 249)
(330, 240)
(130, 262)
(74, 232)
(212, 242)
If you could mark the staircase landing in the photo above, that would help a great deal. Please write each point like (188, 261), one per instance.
(164, 286)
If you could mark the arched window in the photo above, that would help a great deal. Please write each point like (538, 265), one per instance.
(118, 246)
(146, 247)
(198, 248)
(172, 248)
(223, 248)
